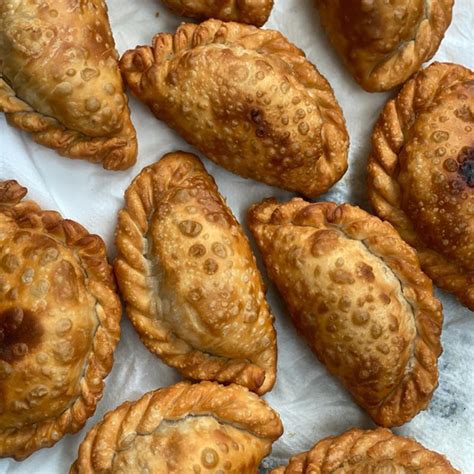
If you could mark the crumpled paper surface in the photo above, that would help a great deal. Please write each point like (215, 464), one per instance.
(311, 403)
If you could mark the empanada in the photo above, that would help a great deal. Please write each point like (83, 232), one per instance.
(60, 81)
(355, 291)
(384, 42)
(246, 98)
(253, 12)
(189, 278)
(59, 324)
(183, 429)
(421, 173)
(367, 452)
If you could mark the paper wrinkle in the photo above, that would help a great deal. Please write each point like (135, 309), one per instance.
(312, 404)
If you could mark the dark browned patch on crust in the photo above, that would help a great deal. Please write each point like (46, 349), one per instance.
(466, 167)
(20, 331)
(365, 271)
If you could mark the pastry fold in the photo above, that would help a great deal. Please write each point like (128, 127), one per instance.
(355, 291)
(421, 173)
(59, 324)
(252, 12)
(184, 428)
(247, 99)
(382, 42)
(367, 451)
(60, 81)
(189, 278)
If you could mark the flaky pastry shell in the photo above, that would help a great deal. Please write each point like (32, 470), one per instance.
(252, 12)
(59, 324)
(189, 278)
(366, 452)
(60, 81)
(382, 42)
(246, 98)
(182, 429)
(355, 291)
(421, 173)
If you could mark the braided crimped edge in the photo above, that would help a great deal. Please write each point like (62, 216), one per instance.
(90, 249)
(132, 267)
(376, 446)
(232, 404)
(332, 164)
(252, 12)
(115, 152)
(380, 238)
(410, 55)
(388, 140)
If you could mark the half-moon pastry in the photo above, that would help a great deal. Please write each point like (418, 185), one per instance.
(253, 12)
(184, 428)
(59, 324)
(60, 81)
(367, 451)
(384, 42)
(246, 98)
(355, 291)
(189, 278)
(421, 173)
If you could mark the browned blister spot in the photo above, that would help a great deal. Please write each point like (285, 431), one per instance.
(20, 332)
(66, 285)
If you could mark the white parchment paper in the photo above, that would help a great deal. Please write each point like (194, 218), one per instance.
(311, 403)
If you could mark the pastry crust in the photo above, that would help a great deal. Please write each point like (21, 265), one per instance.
(252, 12)
(59, 324)
(189, 278)
(184, 428)
(355, 291)
(384, 43)
(421, 173)
(60, 81)
(246, 98)
(367, 451)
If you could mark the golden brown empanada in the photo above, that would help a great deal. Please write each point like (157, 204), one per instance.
(367, 452)
(248, 99)
(189, 279)
(421, 173)
(253, 12)
(59, 80)
(183, 429)
(59, 324)
(355, 291)
(384, 42)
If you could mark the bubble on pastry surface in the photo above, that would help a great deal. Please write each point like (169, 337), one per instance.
(209, 458)
(197, 250)
(10, 263)
(210, 266)
(219, 250)
(190, 228)
(20, 331)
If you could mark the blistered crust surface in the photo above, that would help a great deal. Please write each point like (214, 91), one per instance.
(421, 173)
(248, 99)
(60, 81)
(184, 428)
(355, 291)
(367, 451)
(59, 324)
(384, 43)
(252, 12)
(189, 278)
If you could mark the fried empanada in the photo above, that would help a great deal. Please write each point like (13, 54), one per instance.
(182, 429)
(384, 42)
(189, 278)
(59, 324)
(60, 81)
(246, 98)
(355, 291)
(421, 173)
(367, 451)
(253, 12)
